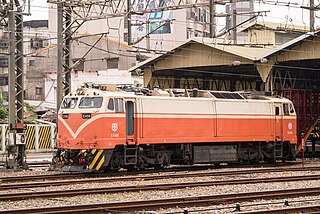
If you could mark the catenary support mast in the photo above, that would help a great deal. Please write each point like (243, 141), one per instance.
(16, 157)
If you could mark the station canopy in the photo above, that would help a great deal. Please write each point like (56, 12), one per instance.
(217, 56)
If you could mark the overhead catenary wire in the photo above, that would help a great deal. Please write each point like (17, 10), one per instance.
(168, 40)
(212, 54)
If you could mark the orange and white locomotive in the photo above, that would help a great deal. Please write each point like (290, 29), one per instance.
(101, 129)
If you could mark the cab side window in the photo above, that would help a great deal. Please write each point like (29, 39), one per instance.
(111, 104)
(291, 108)
(69, 102)
(116, 104)
(285, 108)
(277, 110)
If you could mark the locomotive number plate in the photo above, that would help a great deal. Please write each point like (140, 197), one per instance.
(86, 116)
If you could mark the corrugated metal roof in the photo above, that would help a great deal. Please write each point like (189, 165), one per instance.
(145, 62)
(288, 44)
(248, 52)
(273, 26)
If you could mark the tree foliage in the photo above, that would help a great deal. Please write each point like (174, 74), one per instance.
(3, 111)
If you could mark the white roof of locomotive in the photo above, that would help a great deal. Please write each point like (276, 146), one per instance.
(162, 94)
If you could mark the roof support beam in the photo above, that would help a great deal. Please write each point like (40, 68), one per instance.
(147, 76)
(264, 69)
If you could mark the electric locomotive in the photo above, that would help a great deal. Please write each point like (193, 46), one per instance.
(104, 128)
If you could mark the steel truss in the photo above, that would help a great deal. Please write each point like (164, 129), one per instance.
(225, 83)
(65, 30)
(102, 9)
(303, 88)
(12, 20)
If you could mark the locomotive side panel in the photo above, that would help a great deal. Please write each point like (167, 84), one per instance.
(244, 121)
(179, 120)
(285, 122)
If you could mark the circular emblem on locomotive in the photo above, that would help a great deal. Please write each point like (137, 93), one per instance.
(114, 127)
(289, 126)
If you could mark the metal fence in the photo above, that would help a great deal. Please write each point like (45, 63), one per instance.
(39, 137)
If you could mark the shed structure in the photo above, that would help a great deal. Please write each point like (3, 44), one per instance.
(291, 70)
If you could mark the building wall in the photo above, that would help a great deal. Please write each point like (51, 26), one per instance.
(164, 38)
(281, 38)
(261, 37)
(4, 62)
(37, 61)
(247, 6)
(102, 54)
(95, 67)
(111, 76)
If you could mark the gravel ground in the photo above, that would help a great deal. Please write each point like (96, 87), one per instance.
(148, 195)
(251, 206)
(31, 171)
(44, 170)
(163, 181)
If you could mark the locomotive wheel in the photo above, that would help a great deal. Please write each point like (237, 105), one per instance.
(108, 169)
(269, 158)
(158, 166)
(131, 168)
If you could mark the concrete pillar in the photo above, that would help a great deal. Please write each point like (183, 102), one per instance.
(52, 135)
(36, 143)
(3, 138)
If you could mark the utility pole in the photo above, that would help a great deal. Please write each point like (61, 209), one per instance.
(212, 10)
(148, 34)
(129, 22)
(64, 52)
(311, 15)
(234, 24)
(16, 149)
(60, 56)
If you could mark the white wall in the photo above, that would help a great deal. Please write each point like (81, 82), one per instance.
(114, 27)
(111, 76)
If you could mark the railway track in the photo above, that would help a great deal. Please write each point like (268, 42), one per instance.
(300, 209)
(120, 189)
(6, 182)
(172, 202)
(60, 176)
(33, 164)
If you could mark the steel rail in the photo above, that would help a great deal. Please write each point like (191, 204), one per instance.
(298, 209)
(11, 179)
(5, 185)
(38, 163)
(172, 202)
(92, 177)
(57, 176)
(136, 188)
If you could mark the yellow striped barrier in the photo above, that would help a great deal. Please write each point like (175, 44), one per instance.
(39, 137)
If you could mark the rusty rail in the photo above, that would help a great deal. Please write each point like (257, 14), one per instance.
(172, 202)
(119, 189)
(5, 182)
(295, 209)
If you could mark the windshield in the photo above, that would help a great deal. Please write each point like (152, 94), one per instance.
(69, 102)
(90, 102)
